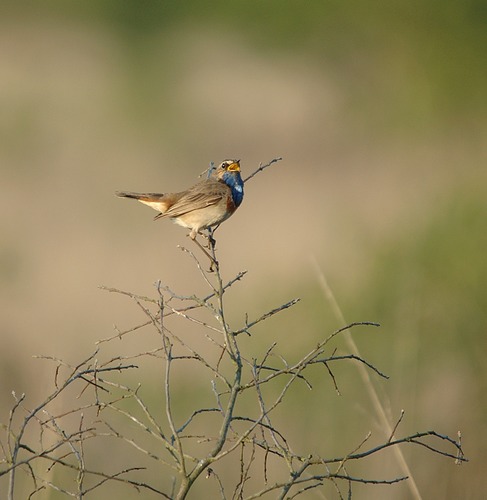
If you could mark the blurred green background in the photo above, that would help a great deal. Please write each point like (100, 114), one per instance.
(379, 112)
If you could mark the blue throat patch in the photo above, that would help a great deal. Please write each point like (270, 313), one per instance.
(234, 181)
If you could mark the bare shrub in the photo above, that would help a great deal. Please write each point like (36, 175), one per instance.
(224, 433)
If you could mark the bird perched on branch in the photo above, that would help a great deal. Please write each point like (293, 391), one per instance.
(205, 205)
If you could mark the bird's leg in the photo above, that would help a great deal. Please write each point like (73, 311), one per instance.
(213, 262)
(211, 240)
(212, 244)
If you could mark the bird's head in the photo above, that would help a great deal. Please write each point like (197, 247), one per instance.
(228, 166)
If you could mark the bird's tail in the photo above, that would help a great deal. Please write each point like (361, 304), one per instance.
(137, 196)
(153, 200)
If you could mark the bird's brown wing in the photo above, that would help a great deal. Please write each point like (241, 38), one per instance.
(201, 195)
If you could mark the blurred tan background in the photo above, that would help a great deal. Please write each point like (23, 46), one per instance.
(379, 114)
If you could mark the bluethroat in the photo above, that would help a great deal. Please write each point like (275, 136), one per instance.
(205, 205)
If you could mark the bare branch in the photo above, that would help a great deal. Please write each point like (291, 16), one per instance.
(261, 168)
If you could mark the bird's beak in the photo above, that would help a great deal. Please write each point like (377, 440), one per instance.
(235, 166)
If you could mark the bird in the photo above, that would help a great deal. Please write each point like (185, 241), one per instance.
(205, 205)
